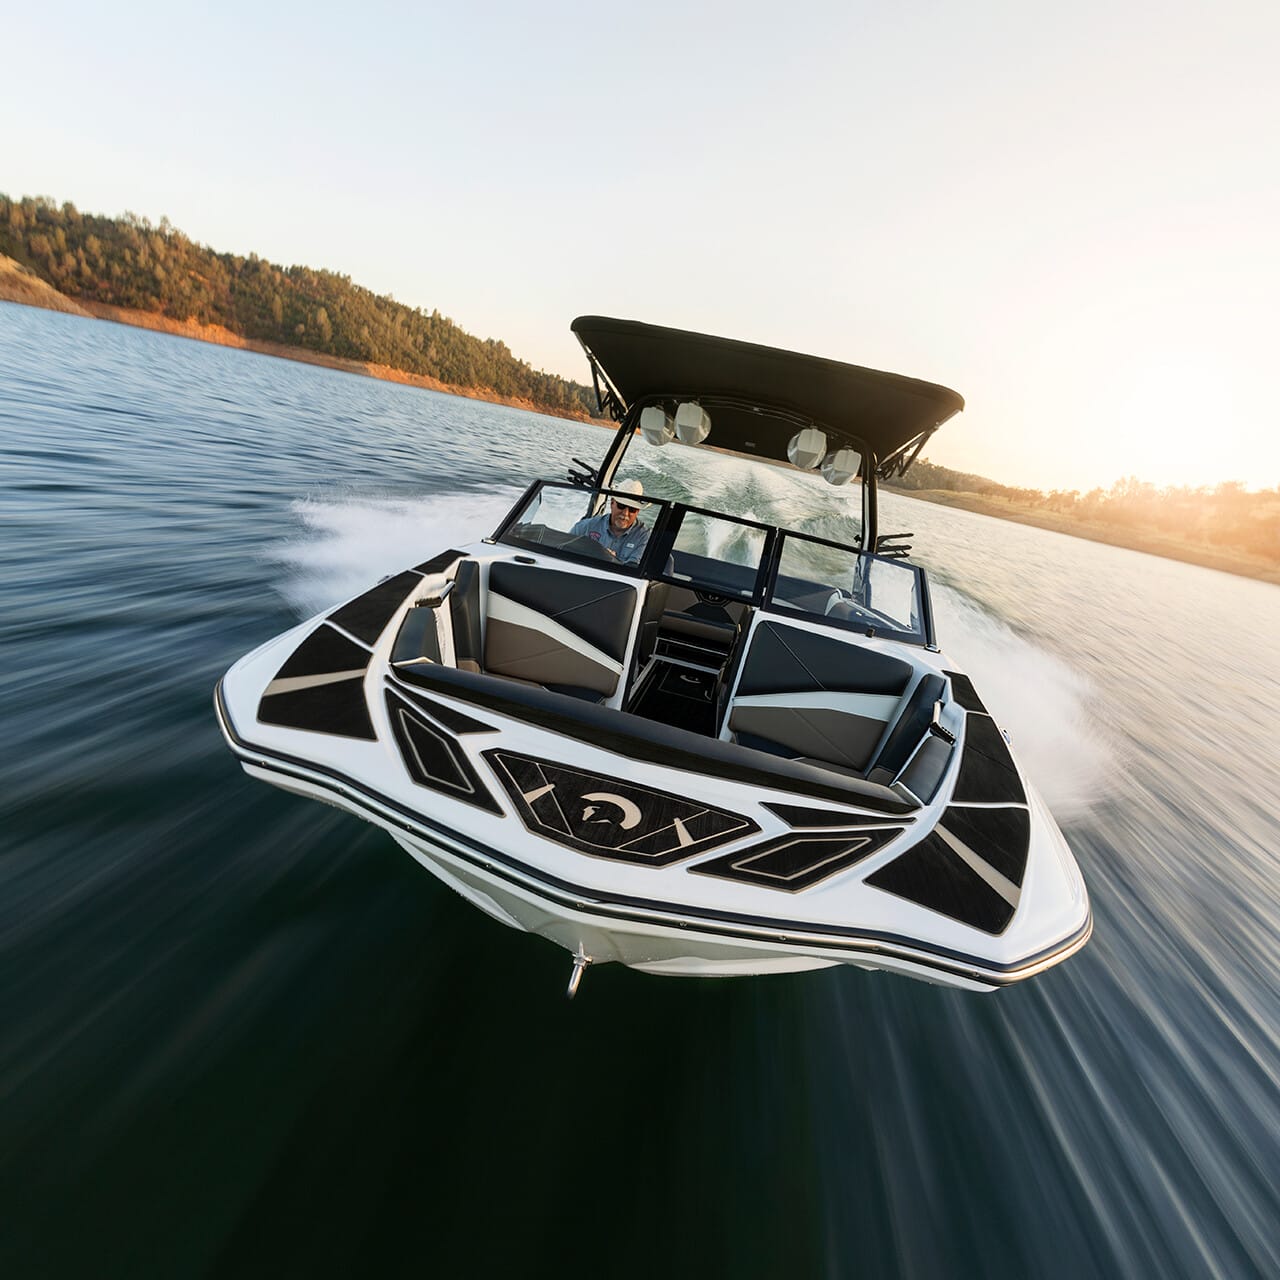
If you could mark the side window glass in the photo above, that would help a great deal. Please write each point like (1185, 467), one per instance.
(889, 590)
(812, 576)
(849, 587)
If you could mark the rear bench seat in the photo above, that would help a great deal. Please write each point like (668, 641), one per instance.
(825, 701)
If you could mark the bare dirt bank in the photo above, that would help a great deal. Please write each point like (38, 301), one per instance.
(216, 333)
(1227, 561)
(18, 284)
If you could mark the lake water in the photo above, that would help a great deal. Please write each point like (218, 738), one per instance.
(244, 1034)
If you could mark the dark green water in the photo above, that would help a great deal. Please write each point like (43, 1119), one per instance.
(242, 1034)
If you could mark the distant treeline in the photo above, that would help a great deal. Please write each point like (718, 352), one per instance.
(127, 262)
(1225, 516)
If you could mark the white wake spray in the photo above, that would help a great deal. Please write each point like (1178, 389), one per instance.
(345, 547)
(1037, 698)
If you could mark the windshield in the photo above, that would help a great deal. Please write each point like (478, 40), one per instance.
(865, 592)
(590, 524)
(729, 556)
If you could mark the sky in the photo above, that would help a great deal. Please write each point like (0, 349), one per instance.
(1070, 214)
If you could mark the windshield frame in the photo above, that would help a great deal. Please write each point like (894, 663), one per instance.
(655, 564)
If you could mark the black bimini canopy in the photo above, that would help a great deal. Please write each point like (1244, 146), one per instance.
(889, 414)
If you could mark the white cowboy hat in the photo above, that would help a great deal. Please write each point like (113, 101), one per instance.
(628, 486)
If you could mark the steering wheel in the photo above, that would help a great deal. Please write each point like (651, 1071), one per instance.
(583, 546)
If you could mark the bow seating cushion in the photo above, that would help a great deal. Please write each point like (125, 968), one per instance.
(557, 628)
(815, 696)
(912, 725)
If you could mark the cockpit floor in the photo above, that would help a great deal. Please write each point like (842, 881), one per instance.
(680, 697)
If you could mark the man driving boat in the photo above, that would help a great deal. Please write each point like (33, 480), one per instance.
(618, 530)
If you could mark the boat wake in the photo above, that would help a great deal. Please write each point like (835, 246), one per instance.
(1039, 700)
(345, 546)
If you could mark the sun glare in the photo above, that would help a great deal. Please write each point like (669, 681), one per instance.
(1165, 420)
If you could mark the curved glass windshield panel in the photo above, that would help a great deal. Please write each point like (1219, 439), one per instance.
(593, 524)
(851, 589)
(717, 553)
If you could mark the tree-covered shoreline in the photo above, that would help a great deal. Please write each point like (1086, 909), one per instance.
(1224, 517)
(129, 263)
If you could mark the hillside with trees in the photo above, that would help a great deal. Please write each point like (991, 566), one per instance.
(129, 263)
(1225, 520)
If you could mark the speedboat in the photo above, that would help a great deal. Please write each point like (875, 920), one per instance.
(693, 741)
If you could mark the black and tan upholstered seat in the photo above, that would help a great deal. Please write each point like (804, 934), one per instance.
(815, 697)
(917, 751)
(568, 631)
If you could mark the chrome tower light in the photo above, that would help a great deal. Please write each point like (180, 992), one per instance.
(656, 426)
(807, 448)
(841, 465)
(693, 425)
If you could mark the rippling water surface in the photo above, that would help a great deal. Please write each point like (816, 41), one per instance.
(244, 1034)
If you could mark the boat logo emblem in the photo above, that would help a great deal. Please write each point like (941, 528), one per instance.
(630, 812)
(608, 817)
